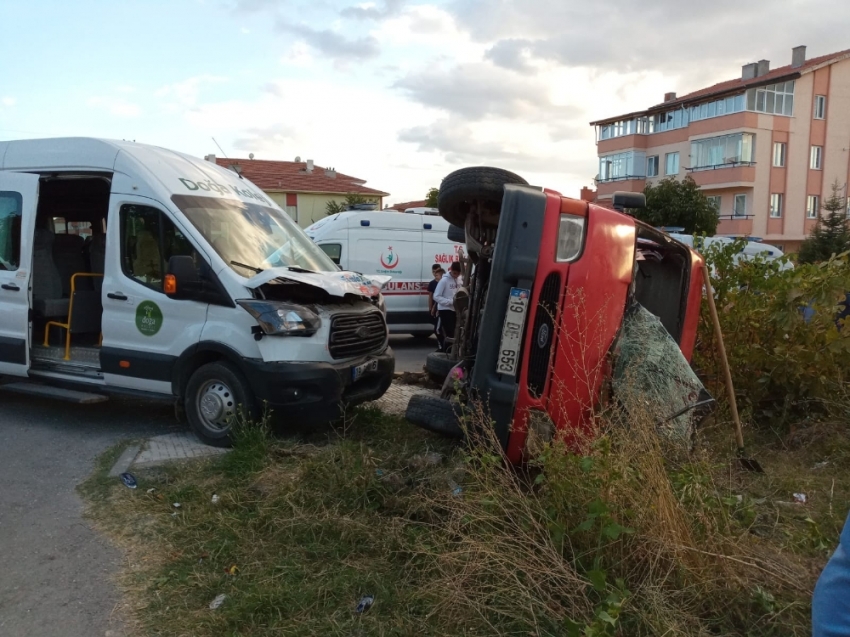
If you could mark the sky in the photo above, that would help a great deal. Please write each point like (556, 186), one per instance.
(396, 92)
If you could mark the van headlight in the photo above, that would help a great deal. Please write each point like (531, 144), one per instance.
(570, 238)
(282, 319)
(382, 304)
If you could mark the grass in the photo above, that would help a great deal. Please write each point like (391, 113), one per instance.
(622, 540)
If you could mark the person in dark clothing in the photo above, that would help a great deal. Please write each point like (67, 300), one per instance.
(437, 272)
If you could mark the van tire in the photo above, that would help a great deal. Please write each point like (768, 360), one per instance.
(227, 398)
(438, 365)
(435, 414)
(479, 183)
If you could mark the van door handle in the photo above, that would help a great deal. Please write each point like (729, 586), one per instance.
(116, 295)
(11, 286)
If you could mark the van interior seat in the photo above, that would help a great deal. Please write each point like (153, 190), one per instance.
(46, 279)
(69, 259)
(97, 258)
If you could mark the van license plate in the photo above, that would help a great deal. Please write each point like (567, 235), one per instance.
(368, 366)
(512, 332)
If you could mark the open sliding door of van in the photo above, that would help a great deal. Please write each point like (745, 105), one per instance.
(18, 200)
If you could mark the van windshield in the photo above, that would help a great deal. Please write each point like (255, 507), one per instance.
(250, 237)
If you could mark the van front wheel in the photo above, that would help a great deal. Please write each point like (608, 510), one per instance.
(217, 397)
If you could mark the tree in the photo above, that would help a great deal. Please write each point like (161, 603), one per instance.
(681, 204)
(334, 207)
(831, 234)
(432, 198)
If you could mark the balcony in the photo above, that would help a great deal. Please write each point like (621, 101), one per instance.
(732, 173)
(607, 187)
(741, 225)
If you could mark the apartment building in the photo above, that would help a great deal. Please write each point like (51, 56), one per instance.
(765, 147)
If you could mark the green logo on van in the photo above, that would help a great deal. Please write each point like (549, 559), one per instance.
(148, 318)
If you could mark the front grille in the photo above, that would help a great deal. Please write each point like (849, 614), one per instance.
(356, 334)
(543, 334)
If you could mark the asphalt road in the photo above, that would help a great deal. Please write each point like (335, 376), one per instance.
(56, 573)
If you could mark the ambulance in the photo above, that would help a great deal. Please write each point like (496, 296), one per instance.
(402, 245)
(130, 268)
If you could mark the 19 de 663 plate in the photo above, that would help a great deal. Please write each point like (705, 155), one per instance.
(512, 332)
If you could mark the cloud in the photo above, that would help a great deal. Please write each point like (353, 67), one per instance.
(332, 44)
(116, 106)
(187, 92)
(256, 6)
(511, 54)
(369, 11)
(478, 90)
(265, 141)
(8, 102)
(703, 39)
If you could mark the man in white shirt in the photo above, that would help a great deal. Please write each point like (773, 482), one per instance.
(444, 296)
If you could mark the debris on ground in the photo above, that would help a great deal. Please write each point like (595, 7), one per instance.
(800, 498)
(457, 490)
(821, 465)
(176, 505)
(365, 603)
(426, 460)
(215, 499)
(218, 601)
(232, 569)
(129, 480)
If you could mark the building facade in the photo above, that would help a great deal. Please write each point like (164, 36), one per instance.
(303, 189)
(765, 147)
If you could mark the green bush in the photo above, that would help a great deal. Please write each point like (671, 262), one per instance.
(786, 351)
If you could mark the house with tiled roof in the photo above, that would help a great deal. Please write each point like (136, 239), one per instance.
(404, 205)
(765, 147)
(303, 189)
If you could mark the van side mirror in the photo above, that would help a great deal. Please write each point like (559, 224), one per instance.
(182, 281)
(456, 234)
(622, 200)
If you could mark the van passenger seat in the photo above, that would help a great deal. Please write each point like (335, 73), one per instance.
(69, 259)
(46, 280)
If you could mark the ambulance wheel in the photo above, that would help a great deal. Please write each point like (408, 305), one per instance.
(217, 398)
(460, 188)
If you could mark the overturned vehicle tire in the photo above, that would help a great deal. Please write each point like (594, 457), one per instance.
(438, 365)
(435, 414)
(481, 184)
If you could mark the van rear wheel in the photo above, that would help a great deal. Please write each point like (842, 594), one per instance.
(483, 184)
(217, 398)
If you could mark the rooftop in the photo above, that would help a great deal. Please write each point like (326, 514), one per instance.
(297, 176)
(739, 84)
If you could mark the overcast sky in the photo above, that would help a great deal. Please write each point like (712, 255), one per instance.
(397, 93)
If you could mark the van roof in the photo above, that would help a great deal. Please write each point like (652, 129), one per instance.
(392, 220)
(176, 172)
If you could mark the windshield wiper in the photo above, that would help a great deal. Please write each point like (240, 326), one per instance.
(247, 267)
(295, 268)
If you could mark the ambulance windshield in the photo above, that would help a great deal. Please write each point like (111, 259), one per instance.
(250, 237)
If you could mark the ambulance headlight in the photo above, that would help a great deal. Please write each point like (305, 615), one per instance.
(282, 319)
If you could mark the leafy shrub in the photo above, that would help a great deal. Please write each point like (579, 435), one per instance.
(786, 349)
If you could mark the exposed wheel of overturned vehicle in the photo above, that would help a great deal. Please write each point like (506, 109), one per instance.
(435, 414)
(481, 183)
(438, 365)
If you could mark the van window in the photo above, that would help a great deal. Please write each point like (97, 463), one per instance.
(10, 230)
(250, 237)
(333, 250)
(148, 240)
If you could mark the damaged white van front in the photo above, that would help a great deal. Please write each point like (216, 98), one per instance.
(125, 267)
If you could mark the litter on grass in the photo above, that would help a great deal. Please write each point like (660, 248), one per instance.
(365, 603)
(129, 480)
(800, 498)
(176, 505)
(218, 601)
(215, 498)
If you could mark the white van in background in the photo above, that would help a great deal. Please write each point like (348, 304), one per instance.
(403, 246)
(751, 249)
(126, 267)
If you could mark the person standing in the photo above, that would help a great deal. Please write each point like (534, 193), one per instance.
(831, 599)
(444, 295)
(437, 272)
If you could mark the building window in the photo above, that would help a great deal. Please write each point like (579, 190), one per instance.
(714, 201)
(740, 206)
(812, 206)
(779, 149)
(652, 166)
(630, 165)
(773, 99)
(672, 164)
(722, 151)
(718, 108)
(817, 158)
(820, 106)
(776, 205)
